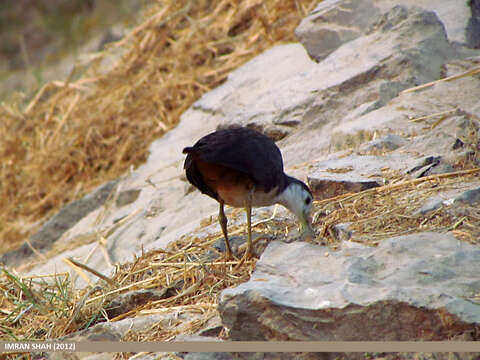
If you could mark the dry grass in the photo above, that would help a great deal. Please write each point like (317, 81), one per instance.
(33, 308)
(74, 135)
(388, 211)
(77, 134)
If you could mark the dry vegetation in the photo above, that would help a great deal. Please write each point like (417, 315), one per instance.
(387, 211)
(76, 134)
(188, 283)
(38, 308)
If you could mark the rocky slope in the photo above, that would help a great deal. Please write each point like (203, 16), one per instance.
(342, 108)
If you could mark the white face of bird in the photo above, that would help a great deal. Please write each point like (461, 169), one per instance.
(299, 201)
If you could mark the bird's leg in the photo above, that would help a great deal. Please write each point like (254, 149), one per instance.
(249, 252)
(248, 209)
(222, 219)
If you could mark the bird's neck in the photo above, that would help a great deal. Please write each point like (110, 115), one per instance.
(287, 195)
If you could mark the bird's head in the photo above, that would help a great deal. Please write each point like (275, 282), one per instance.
(298, 198)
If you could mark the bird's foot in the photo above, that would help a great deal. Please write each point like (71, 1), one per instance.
(228, 256)
(249, 254)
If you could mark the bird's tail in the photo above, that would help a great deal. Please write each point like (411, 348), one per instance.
(187, 150)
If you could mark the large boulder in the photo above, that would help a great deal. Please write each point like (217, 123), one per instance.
(415, 287)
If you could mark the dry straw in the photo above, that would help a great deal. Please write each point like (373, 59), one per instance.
(187, 280)
(79, 133)
(76, 134)
(392, 210)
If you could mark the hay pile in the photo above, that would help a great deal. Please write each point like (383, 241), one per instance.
(76, 134)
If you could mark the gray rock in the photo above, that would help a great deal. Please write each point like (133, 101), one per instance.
(457, 201)
(342, 232)
(430, 165)
(306, 105)
(470, 197)
(383, 291)
(212, 328)
(389, 142)
(132, 300)
(465, 204)
(165, 206)
(472, 32)
(127, 197)
(115, 331)
(245, 87)
(406, 47)
(352, 173)
(332, 23)
(418, 287)
(335, 22)
(430, 205)
(324, 188)
(54, 228)
(98, 332)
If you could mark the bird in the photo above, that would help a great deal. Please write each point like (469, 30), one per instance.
(243, 168)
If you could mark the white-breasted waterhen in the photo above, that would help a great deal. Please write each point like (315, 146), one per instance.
(241, 167)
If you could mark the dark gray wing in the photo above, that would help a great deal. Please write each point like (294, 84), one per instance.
(244, 150)
(193, 174)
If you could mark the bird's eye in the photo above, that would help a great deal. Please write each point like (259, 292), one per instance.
(308, 201)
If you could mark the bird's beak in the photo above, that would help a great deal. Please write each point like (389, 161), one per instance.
(306, 227)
